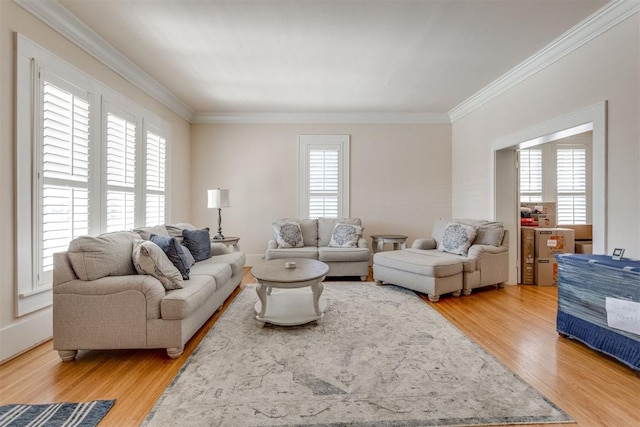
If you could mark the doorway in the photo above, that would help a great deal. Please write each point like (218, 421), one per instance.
(504, 189)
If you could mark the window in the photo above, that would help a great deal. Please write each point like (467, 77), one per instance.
(530, 162)
(88, 161)
(571, 178)
(323, 176)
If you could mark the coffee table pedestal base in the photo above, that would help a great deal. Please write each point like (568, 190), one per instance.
(289, 307)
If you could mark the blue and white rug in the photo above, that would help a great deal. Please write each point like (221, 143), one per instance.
(87, 414)
(380, 357)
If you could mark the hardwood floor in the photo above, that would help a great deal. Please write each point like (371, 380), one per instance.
(515, 324)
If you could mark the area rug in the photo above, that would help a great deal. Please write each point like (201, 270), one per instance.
(87, 414)
(380, 357)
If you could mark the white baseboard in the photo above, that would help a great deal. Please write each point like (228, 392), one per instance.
(25, 334)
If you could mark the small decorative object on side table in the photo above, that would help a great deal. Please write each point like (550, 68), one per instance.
(399, 241)
(229, 241)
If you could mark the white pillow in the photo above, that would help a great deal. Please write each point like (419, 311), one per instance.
(288, 234)
(149, 258)
(457, 238)
(345, 235)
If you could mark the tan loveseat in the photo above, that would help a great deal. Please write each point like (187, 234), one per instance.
(101, 302)
(346, 253)
(433, 268)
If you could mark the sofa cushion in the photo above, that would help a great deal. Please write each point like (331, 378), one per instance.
(174, 252)
(326, 226)
(309, 229)
(309, 252)
(181, 303)
(419, 261)
(345, 235)
(457, 238)
(175, 230)
(235, 260)
(468, 264)
(219, 271)
(106, 255)
(198, 242)
(288, 234)
(146, 232)
(187, 254)
(150, 259)
(343, 254)
(490, 233)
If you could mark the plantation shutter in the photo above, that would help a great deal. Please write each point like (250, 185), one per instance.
(121, 172)
(530, 162)
(571, 185)
(155, 179)
(64, 174)
(324, 182)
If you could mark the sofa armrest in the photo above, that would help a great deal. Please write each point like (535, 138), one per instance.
(425, 244)
(219, 249)
(147, 286)
(476, 251)
(272, 244)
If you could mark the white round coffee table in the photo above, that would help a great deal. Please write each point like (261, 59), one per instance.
(283, 297)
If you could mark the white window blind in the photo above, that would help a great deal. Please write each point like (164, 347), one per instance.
(64, 177)
(323, 176)
(530, 169)
(323, 183)
(571, 176)
(155, 179)
(121, 172)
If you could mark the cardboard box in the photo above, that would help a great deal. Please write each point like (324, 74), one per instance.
(527, 255)
(584, 247)
(545, 220)
(548, 208)
(582, 231)
(551, 241)
(546, 272)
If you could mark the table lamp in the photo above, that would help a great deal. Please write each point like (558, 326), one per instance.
(218, 199)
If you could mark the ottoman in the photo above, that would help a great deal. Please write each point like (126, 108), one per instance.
(419, 270)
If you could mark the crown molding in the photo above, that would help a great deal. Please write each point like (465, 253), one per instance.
(307, 118)
(56, 16)
(599, 22)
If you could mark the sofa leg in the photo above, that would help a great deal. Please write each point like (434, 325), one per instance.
(364, 278)
(466, 292)
(67, 355)
(175, 352)
(456, 293)
(379, 282)
(434, 298)
(500, 285)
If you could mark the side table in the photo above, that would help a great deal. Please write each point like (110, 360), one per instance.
(229, 241)
(378, 240)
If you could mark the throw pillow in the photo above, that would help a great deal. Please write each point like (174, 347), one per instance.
(457, 238)
(490, 233)
(106, 255)
(174, 252)
(188, 256)
(345, 235)
(149, 258)
(198, 242)
(288, 235)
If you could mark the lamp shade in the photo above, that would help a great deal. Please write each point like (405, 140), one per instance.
(218, 198)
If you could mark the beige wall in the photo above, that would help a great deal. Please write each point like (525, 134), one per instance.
(14, 19)
(606, 68)
(400, 176)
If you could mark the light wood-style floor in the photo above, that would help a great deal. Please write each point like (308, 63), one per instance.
(515, 324)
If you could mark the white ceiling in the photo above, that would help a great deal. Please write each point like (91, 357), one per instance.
(323, 56)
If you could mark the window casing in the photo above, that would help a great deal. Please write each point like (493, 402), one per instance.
(323, 175)
(82, 156)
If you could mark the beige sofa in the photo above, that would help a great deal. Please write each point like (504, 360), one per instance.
(115, 307)
(429, 268)
(315, 242)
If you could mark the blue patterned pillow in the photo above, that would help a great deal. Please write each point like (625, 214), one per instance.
(288, 235)
(457, 238)
(198, 242)
(174, 252)
(345, 235)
